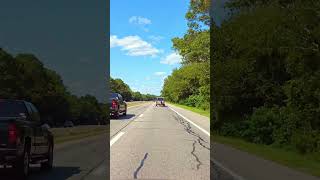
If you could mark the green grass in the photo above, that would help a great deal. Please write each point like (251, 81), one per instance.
(309, 164)
(193, 109)
(62, 135)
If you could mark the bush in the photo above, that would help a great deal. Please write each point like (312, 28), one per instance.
(288, 122)
(304, 141)
(232, 129)
(261, 125)
(198, 101)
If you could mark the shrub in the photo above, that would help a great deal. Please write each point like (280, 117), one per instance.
(261, 125)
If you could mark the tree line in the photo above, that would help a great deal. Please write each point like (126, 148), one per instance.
(266, 73)
(24, 77)
(190, 84)
(118, 86)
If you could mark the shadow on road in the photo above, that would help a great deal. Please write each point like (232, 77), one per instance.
(127, 117)
(55, 173)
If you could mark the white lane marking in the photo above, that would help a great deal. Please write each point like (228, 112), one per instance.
(141, 115)
(116, 138)
(233, 174)
(207, 133)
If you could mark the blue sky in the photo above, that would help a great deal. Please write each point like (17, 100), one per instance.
(141, 51)
(67, 36)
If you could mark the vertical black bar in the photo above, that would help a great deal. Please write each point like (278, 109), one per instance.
(108, 80)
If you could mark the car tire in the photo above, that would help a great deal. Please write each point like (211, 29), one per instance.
(116, 115)
(48, 164)
(22, 165)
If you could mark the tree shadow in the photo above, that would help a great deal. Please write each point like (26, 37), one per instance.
(56, 173)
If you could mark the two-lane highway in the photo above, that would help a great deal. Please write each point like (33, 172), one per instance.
(157, 143)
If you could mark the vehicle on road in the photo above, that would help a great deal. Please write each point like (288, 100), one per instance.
(24, 137)
(160, 101)
(117, 105)
(68, 124)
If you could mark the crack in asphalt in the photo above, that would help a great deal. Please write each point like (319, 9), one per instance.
(135, 174)
(197, 159)
(200, 141)
(187, 127)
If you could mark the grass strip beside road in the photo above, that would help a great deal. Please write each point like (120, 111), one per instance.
(309, 164)
(62, 135)
(193, 109)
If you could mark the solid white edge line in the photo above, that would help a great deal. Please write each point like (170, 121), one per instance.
(207, 133)
(234, 175)
(116, 138)
(141, 115)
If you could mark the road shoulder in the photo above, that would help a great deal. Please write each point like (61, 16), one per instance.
(202, 121)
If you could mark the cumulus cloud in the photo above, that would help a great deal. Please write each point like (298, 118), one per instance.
(155, 39)
(139, 20)
(173, 58)
(160, 73)
(134, 46)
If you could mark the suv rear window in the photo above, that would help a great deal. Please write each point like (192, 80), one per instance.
(113, 96)
(12, 108)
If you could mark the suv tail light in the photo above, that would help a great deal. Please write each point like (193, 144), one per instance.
(12, 133)
(114, 104)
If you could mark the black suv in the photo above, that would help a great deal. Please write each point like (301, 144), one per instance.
(24, 138)
(117, 105)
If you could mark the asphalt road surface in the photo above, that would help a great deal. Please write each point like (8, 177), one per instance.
(157, 143)
(83, 159)
(233, 164)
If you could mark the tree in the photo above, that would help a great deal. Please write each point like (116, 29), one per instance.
(118, 86)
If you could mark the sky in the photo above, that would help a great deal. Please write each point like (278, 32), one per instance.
(68, 36)
(218, 12)
(141, 51)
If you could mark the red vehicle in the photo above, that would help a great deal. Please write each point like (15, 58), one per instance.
(117, 105)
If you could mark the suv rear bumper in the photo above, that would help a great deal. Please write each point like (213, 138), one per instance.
(113, 111)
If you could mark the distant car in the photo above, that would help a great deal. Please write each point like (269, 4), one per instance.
(160, 101)
(117, 105)
(68, 124)
(24, 137)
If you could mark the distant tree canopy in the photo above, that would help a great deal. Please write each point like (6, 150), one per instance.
(190, 84)
(266, 73)
(25, 77)
(118, 86)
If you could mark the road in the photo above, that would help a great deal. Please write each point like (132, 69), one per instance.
(230, 163)
(157, 143)
(81, 159)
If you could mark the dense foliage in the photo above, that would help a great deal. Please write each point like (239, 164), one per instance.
(190, 84)
(266, 73)
(25, 77)
(118, 86)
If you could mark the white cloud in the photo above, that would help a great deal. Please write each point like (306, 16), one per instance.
(173, 58)
(155, 39)
(134, 46)
(139, 20)
(160, 73)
